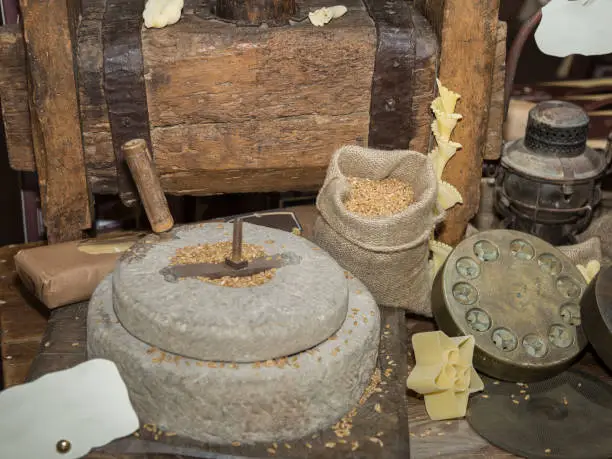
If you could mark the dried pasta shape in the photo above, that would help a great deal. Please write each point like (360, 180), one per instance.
(445, 123)
(441, 154)
(446, 393)
(322, 16)
(440, 253)
(447, 97)
(590, 270)
(448, 195)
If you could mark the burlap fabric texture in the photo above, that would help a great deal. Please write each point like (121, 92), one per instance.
(388, 254)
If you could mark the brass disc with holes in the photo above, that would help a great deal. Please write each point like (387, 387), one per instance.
(519, 297)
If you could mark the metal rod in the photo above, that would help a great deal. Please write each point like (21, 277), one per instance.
(237, 241)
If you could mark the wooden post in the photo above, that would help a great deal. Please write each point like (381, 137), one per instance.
(54, 113)
(139, 161)
(256, 11)
(468, 36)
(493, 145)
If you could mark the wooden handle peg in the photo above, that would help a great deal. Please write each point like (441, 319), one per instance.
(148, 184)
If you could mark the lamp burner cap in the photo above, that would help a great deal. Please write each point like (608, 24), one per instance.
(557, 127)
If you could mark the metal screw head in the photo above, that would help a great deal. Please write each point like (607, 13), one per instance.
(63, 446)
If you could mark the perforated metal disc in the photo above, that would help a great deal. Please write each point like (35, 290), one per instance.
(566, 417)
(519, 297)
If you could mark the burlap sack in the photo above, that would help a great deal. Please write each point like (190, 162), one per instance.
(388, 254)
(583, 252)
(601, 227)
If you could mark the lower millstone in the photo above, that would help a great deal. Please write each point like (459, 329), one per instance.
(220, 403)
(303, 304)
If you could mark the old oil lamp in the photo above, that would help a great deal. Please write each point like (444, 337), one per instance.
(549, 181)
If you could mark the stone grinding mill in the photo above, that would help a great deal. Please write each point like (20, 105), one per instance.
(252, 363)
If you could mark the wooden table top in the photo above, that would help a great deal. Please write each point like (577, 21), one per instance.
(23, 321)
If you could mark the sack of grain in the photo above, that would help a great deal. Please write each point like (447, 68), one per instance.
(378, 229)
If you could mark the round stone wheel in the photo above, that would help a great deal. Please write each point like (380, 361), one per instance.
(300, 307)
(220, 402)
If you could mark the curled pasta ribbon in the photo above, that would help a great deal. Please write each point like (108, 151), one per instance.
(448, 98)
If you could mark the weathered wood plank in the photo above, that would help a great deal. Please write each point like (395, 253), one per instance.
(97, 140)
(55, 109)
(493, 144)
(308, 88)
(468, 36)
(393, 80)
(16, 361)
(124, 86)
(22, 322)
(424, 83)
(14, 98)
(290, 153)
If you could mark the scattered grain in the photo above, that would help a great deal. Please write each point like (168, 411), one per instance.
(296, 231)
(378, 197)
(271, 451)
(372, 386)
(527, 397)
(547, 451)
(330, 444)
(484, 396)
(378, 441)
(377, 408)
(516, 402)
(308, 445)
(354, 445)
(236, 443)
(287, 445)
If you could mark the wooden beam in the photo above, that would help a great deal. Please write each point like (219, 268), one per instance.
(468, 36)
(55, 118)
(14, 99)
(493, 144)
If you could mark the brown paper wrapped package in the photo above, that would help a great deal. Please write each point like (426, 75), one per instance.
(67, 273)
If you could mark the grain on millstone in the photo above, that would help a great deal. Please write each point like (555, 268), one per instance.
(217, 253)
(378, 198)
